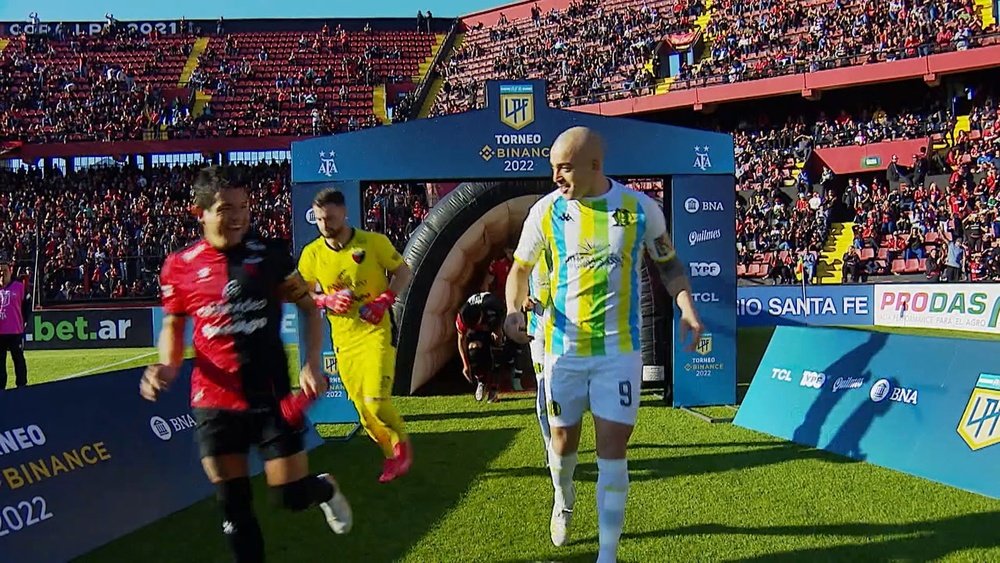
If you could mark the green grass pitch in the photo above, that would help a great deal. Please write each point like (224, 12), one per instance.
(479, 491)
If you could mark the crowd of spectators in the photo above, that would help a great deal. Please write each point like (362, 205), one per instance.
(907, 224)
(586, 52)
(793, 231)
(120, 84)
(106, 87)
(104, 231)
(767, 153)
(395, 209)
(766, 38)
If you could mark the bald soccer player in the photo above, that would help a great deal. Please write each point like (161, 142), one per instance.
(595, 230)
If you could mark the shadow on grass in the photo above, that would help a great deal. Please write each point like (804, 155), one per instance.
(485, 412)
(408, 508)
(690, 465)
(920, 541)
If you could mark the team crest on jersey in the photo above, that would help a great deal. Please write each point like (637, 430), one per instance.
(358, 256)
(622, 217)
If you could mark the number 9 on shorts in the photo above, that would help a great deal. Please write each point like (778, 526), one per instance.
(607, 386)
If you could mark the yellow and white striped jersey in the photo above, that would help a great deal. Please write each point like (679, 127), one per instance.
(595, 245)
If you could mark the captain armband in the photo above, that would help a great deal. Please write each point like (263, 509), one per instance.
(671, 270)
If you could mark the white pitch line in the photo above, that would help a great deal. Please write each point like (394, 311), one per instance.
(118, 363)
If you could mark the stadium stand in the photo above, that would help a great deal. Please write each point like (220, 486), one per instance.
(108, 87)
(112, 225)
(135, 87)
(587, 51)
(753, 40)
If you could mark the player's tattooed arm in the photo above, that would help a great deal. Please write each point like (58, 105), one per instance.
(671, 269)
(294, 288)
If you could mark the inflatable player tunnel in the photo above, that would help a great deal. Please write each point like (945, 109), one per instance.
(450, 255)
(506, 146)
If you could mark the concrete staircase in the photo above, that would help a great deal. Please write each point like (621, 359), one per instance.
(378, 104)
(192, 63)
(830, 267)
(961, 124)
(425, 66)
(435, 88)
(986, 12)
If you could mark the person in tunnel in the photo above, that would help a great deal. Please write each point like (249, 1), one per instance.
(359, 274)
(481, 344)
(596, 230)
(496, 282)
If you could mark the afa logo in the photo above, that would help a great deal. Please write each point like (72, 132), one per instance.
(328, 166)
(980, 423)
(358, 256)
(517, 105)
(622, 217)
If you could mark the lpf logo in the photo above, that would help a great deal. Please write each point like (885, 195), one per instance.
(979, 426)
(330, 363)
(517, 105)
(328, 166)
(704, 346)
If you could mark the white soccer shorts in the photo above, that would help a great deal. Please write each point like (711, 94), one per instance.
(608, 386)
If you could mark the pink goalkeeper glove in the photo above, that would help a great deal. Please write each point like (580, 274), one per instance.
(374, 311)
(339, 303)
(294, 407)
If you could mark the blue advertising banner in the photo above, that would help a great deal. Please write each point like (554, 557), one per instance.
(702, 227)
(924, 406)
(335, 407)
(87, 460)
(289, 325)
(509, 138)
(817, 305)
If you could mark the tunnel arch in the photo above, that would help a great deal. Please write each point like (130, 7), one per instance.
(450, 253)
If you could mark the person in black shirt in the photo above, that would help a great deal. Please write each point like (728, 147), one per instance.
(479, 324)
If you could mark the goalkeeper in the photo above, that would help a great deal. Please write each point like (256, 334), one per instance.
(352, 270)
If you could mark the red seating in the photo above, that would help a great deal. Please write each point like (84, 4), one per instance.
(899, 266)
(867, 253)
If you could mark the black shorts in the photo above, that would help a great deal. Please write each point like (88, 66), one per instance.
(222, 432)
(481, 356)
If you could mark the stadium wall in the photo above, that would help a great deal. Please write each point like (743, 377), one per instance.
(959, 306)
(807, 84)
(208, 27)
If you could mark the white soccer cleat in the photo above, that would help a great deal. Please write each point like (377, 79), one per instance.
(480, 391)
(337, 510)
(561, 517)
(559, 525)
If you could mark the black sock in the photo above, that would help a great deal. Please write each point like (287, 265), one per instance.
(320, 490)
(239, 523)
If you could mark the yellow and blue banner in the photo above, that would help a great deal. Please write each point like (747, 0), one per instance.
(87, 460)
(929, 407)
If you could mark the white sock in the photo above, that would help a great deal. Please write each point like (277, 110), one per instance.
(561, 467)
(612, 492)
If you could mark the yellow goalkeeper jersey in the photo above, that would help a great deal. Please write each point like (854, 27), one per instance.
(361, 266)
